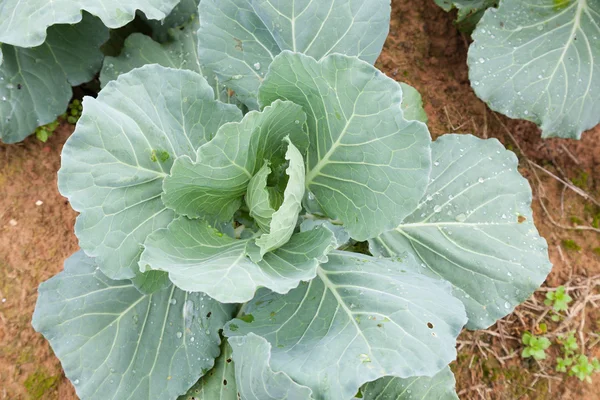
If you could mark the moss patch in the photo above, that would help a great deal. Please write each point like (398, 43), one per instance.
(570, 244)
(39, 383)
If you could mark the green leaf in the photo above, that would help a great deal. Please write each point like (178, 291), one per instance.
(124, 145)
(180, 52)
(559, 299)
(199, 258)
(341, 235)
(474, 228)
(183, 13)
(218, 383)
(360, 319)
(255, 379)
(283, 221)
(439, 387)
(213, 186)
(24, 24)
(412, 104)
(540, 62)
(35, 83)
(366, 165)
(114, 342)
(151, 281)
(240, 38)
(469, 11)
(258, 198)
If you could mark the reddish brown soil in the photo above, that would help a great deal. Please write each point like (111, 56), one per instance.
(425, 50)
(31, 251)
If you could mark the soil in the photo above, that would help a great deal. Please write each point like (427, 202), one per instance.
(425, 50)
(34, 241)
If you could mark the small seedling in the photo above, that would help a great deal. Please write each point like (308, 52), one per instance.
(558, 299)
(583, 369)
(569, 343)
(534, 346)
(563, 363)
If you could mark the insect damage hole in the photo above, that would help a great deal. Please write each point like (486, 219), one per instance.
(430, 325)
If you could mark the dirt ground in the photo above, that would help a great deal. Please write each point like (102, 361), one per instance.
(425, 50)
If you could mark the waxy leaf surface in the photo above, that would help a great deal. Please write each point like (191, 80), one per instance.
(474, 228)
(540, 60)
(360, 319)
(366, 164)
(125, 143)
(115, 342)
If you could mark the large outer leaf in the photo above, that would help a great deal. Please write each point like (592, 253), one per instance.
(255, 379)
(240, 38)
(116, 343)
(199, 258)
(360, 319)
(540, 61)
(179, 51)
(35, 84)
(438, 387)
(367, 165)
(24, 23)
(124, 145)
(283, 221)
(474, 228)
(218, 383)
(213, 186)
(182, 14)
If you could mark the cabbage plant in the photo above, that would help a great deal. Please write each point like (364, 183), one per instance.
(47, 47)
(538, 60)
(307, 240)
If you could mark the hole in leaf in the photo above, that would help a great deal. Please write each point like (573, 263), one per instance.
(225, 382)
(209, 314)
(521, 219)
(430, 325)
(228, 360)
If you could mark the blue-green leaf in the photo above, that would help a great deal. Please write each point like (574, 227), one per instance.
(412, 104)
(540, 60)
(124, 145)
(213, 186)
(240, 38)
(255, 379)
(218, 383)
(114, 342)
(199, 258)
(474, 228)
(35, 83)
(366, 164)
(24, 23)
(438, 387)
(360, 319)
(283, 221)
(258, 198)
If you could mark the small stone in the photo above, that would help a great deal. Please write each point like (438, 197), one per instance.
(39, 203)
(13, 222)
